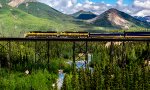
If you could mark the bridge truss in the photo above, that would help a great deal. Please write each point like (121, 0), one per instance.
(42, 49)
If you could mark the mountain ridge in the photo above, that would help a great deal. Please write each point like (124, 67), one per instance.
(14, 22)
(145, 18)
(42, 10)
(117, 19)
(83, 15)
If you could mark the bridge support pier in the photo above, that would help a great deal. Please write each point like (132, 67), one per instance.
(48, 54)
(124, 56)
(111, 52)
(42, 52)
(80, 52)
(5, 48)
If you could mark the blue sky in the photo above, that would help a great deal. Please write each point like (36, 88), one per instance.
(99, 1)
(132, 7)
(108, 1)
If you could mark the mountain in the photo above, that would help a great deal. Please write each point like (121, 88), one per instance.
(15, 22)
(36, 16)
(146, 18)
(83, 15)
(43, 11)
(117, 19)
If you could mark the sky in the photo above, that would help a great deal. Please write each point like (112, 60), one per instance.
(132, 7)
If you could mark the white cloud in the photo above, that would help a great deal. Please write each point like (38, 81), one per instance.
(71, 6)
(120, 2)
(142, 7)
(139, 7)
(88, 2)
(64, 6)
(143, 13)
(145, 4)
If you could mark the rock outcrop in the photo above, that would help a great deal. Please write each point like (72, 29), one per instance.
(147, 62)
(15, 3)
(1, 5)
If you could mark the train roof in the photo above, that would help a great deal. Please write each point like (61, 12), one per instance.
(42, 32)
(138, 32)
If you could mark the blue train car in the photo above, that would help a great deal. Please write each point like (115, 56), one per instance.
(109, 35)
(137, 33)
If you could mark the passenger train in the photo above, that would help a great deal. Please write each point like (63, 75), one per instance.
(53, 34)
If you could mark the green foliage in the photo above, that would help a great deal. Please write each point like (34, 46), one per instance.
(20, 81)
(113, 76)
(107, 75)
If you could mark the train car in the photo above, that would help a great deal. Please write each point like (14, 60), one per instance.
(106, 35)
(137, 34)
(74, 34)
(39, 34)
(121, 35)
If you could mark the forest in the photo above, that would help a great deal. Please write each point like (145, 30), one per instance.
(115, 66)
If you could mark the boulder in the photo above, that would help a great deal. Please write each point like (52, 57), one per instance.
(147, 62)
(108, 44)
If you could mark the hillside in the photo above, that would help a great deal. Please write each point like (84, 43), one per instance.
(117, 19)
(15, 22)
(3, 2)
(43, 11)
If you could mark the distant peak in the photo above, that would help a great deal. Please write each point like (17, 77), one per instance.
(81, 11)
(84, 12)
(147, 16)
(113, 10)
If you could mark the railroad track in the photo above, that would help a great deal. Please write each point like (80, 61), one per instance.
(78, 39)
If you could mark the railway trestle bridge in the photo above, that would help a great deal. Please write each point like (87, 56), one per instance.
(40, 50)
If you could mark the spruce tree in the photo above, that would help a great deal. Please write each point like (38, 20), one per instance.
(64, 86)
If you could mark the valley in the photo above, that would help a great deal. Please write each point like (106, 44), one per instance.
(28, 16)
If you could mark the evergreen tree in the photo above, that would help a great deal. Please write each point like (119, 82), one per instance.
(81, 79)
(64, 86)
